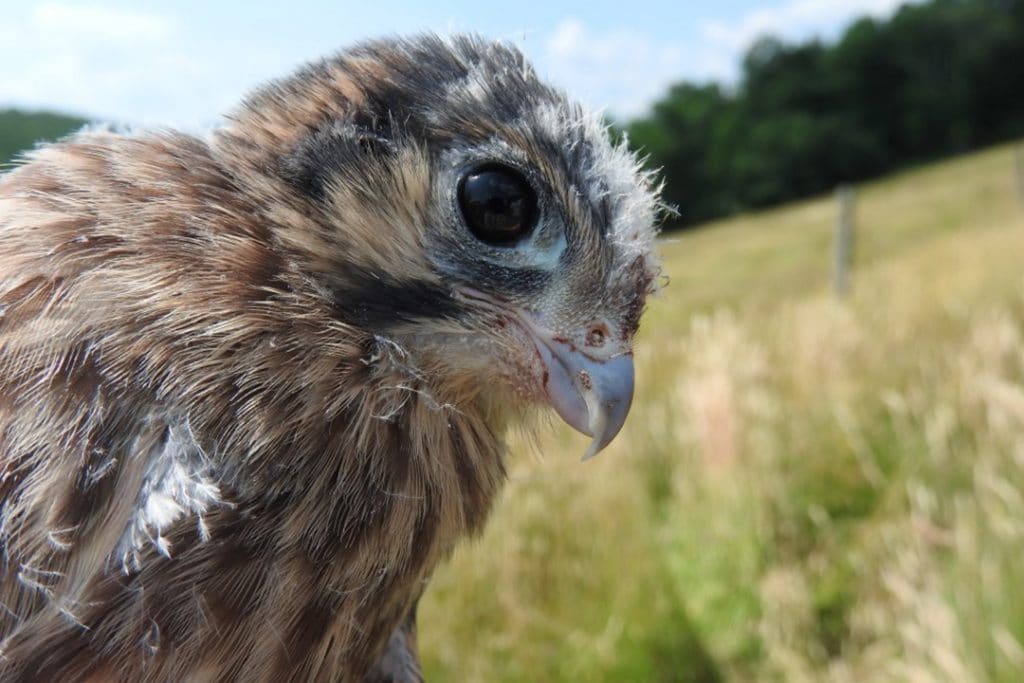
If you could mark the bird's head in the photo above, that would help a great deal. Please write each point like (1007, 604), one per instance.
(449, 203)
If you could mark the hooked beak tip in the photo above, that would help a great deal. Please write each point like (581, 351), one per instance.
(591, 395)
(608, 401)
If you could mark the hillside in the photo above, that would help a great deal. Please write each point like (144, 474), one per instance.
(806, 490)
(21, 130)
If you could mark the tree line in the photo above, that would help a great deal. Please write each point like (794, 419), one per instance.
(21, 130)
(935, 79)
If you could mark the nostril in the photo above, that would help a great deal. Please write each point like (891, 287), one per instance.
(597, 335)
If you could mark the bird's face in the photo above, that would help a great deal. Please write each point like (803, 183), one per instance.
(471, 217)
(531, 248)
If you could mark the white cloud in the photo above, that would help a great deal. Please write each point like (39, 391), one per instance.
(567, 39)
(793, 20)
(621, 70)
(625, 70)
(130, 66)
(84, 58)
(98, 23)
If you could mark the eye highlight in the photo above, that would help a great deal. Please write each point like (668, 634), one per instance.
(498, 204)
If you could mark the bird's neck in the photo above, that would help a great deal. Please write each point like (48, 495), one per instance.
(374, 496)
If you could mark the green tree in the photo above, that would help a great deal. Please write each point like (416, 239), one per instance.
(935, 79)
(21, 130)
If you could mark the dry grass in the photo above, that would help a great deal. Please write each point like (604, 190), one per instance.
(805, 490)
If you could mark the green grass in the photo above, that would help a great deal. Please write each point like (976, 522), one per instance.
(805, 490)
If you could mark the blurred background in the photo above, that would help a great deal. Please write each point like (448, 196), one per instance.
(823, 475)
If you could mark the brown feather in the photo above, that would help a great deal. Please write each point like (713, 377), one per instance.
(206, 472)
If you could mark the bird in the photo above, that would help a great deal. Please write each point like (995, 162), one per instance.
(255, 383)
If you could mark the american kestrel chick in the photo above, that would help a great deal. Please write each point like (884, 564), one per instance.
(253, 387)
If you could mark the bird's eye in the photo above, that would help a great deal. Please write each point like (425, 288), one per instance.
(498, 204)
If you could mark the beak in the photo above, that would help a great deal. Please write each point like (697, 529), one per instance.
(591, 392)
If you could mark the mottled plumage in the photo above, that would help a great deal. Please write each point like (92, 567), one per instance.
(253, 387)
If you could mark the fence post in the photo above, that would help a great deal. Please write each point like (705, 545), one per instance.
(1020, 172)
(844, 240)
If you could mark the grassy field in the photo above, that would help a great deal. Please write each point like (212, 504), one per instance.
(805, 490)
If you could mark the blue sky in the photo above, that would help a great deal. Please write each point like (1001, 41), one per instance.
(184, 63)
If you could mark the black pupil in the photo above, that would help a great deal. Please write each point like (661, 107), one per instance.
(498, 204)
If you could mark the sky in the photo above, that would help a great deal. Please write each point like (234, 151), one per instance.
(185, 63)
